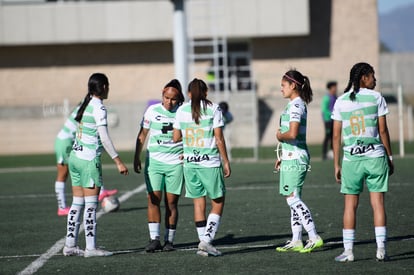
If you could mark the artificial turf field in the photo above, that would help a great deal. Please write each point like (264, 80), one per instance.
(256, 219)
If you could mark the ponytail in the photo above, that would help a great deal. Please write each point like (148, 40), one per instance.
(97, 85)
(355, 75)
(302, 84)
(82, 108)
(306, 91)
(198, 90)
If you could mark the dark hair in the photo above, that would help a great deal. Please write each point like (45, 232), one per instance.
(331, 84)
(198, 90)
(355, 75)
(176, 85)
(224, 106)
(96, 86)
(302, 84)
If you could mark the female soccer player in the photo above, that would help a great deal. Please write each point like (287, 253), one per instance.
(294, 162)
(63, 146)
(199, 124)
(163, 169)
(360, 116)
(85, 167)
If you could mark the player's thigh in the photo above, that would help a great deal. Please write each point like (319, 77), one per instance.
(352, 177)
(377, 174)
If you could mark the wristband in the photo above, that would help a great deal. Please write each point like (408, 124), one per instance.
(390, 157)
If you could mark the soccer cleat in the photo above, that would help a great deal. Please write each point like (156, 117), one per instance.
(202, 253)
(73, 251)
(346, 256)
(382, 255)
(63, 211)
(97, 253)
(290, 246)
(312, 245)
(153, 246)
(107, 193)
(168, 247)
(208, 248)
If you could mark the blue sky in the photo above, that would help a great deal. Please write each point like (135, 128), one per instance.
(385, 6)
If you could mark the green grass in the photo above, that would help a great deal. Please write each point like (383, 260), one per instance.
(264, 153)
(255, 220)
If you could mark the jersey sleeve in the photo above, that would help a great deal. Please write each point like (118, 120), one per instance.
(296, 111)
(100, 116)
(146, 120)
(382, 106)
(217, 118)
(336, 114)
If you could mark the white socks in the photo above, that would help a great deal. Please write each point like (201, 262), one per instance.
(381, 236)
(296, 225)
(348, 238)
(154, 230)
(304, 215)
(213, 222)
(89, 221)
(73, 221)
(60, 194)
(169, 235)
(200, 231)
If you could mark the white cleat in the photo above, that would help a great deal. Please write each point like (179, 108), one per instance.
(382, 255)
(346, 256)
(73, 251)
(208, 248)
(97, 253)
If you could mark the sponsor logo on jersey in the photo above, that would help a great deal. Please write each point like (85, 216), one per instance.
(361, 148)
(197, 157)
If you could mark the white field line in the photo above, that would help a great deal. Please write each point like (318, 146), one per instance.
(39, 262)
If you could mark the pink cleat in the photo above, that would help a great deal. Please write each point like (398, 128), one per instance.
(107, 193)
(63, 211)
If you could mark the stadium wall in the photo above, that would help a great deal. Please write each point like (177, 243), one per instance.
(36, 78)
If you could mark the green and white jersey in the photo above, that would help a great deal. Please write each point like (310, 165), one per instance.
(200, 148)
(69, 128)
(88, 144)
(360, 124)
(160, 145)
(295, 111)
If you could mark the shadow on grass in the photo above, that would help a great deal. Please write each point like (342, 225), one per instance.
(229, 239)
(336, 243)
(256, 243)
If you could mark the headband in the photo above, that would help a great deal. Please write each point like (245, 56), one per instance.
(292, 79)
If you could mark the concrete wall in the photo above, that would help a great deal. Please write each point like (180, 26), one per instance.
(339, 39)
(120, 21)
(397, 68)
(36, 79)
